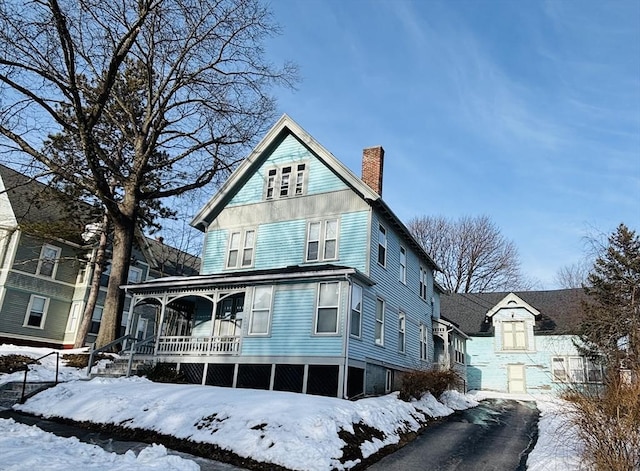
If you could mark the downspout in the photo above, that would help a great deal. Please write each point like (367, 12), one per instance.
(347, 334)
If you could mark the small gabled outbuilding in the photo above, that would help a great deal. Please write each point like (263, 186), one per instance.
(522, 342)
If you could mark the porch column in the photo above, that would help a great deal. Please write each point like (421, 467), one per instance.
(130, 322)
(163, 305)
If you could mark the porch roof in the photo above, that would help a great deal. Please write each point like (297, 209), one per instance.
(288, 274)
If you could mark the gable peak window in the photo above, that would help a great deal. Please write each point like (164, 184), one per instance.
(286, 180)
(48, 263)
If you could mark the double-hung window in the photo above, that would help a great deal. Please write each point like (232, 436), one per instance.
(382, 246)
(285, 181)
(576, 369)
(36, 312)
(403, 265)
(241, 248)
(322, 240)
(327, 311)
(260, 310)
(424, 346)
(48, 263)
(96, 319)
(423, 283)
(356, 310)
(514, 335)
(458, 350)
(401, 331)
(379, 327)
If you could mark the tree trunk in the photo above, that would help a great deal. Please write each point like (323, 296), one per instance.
(123, 235)
(98, 267)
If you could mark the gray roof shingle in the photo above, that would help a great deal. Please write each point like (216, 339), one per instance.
(560, 310)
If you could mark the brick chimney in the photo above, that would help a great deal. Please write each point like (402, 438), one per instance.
(372, 165)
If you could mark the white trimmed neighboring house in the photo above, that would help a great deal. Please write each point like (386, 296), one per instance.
(309, 282)
(522, 342)
(44, 274)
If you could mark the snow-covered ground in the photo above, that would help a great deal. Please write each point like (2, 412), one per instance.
(292, 430)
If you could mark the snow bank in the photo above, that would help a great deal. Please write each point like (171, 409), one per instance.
(292, 430)
(28, 447)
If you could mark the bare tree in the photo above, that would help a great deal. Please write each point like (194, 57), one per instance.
(201, 81)
(473, 254)
(573, 276)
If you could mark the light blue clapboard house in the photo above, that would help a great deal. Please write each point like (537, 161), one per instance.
(523, 342)
(309, 282)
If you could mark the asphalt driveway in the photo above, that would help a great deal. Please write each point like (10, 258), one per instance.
(495, 436)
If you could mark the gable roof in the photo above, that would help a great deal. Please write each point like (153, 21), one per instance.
(512, 300)
(560, 310)
(166, 260)
(286, 126)
(37, 206)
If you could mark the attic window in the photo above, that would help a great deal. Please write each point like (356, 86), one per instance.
(286, 181)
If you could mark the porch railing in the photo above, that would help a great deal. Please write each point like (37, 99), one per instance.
(186, 345)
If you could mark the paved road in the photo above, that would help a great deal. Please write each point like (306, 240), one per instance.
(495, 436)
(107, 442)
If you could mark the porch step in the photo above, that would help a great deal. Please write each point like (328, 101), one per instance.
(119, 367)
(10, 393)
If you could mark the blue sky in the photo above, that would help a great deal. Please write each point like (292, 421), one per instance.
(527, 111)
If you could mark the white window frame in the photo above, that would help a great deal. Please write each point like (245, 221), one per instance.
(272, 176)
(301, 179)
(458, 350)
(284, 190)
(327, 307)
(356, 310)
(423, 283)
(378, 334)
(388, 381)
(424, 345)
(382, 245)
(54, 261)
(260, 309)
(322, 240)
(511, 337)
(403, 265)
(286, 181)
(136, 270)
(43, 313)
(74, 316)
(242, 248)
(575, 369)
(402, 331)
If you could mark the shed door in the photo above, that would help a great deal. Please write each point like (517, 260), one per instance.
(516, 378)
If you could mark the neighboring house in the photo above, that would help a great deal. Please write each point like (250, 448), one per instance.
(44, 276)
(522, 342)
(309, 282)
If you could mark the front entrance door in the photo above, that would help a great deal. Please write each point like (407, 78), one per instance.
(516, 378)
